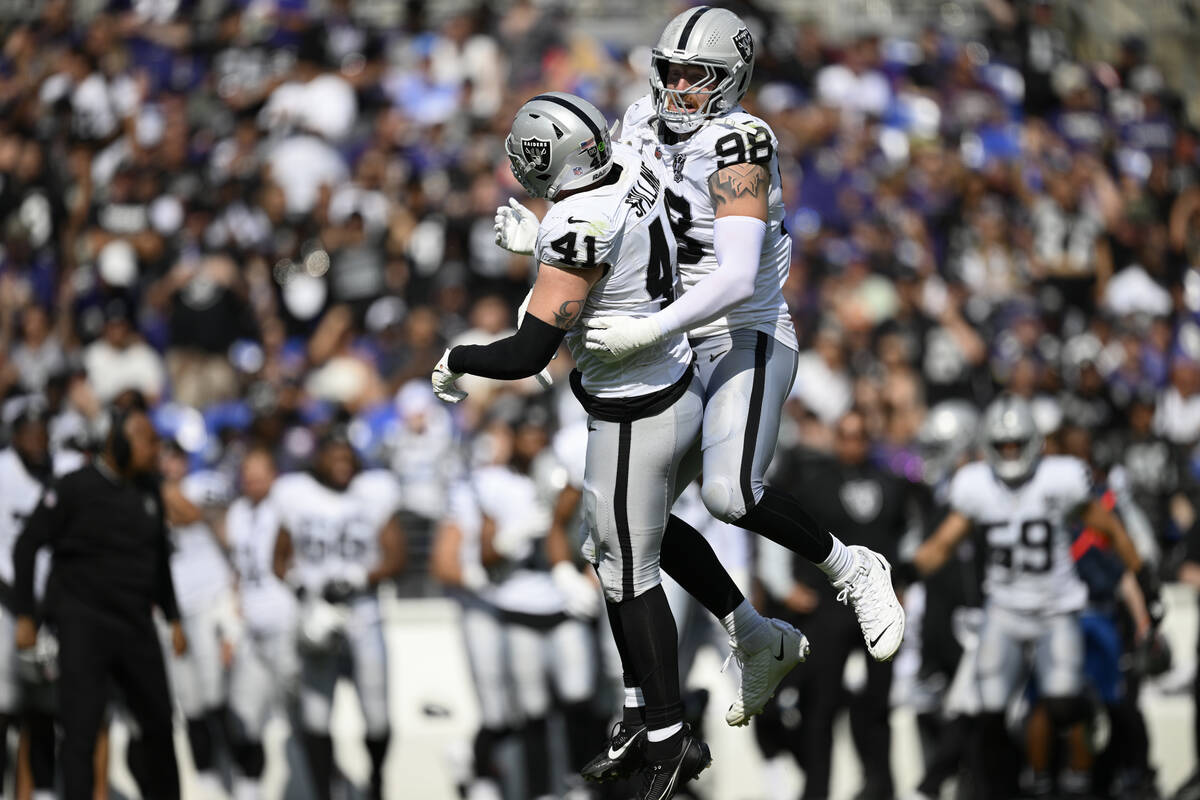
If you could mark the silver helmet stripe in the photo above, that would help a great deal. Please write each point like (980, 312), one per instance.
(574, 109)
(687, 28)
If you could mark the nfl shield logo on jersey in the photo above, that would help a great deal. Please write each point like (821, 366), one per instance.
(862, 499)
(744, 43)
(536, 152)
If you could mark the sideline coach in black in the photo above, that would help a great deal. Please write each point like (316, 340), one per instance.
(867, 506)
(104, 524)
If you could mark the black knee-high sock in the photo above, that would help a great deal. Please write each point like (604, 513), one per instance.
(220, 724)
(780, 517)
(135, 759)
(947, 748)
(250, 758)
(319, 749)
(652, 650)
(688, 558)
(377, 747)
(42, 746)
(484, 752)
(200, 737)
(585, 734)
(997, 758)
(535, 743)
(630, 715)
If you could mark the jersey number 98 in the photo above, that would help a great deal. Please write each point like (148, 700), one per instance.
(744, 148)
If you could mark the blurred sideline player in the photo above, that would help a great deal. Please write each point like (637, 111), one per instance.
(1116, 625)
(26, 680)
(204, 590)
(457, 563)
(603, 250)
(1022, 501)
(545, 644)
(265, 665)
(720, 173)
(944, 609)
(338, 541)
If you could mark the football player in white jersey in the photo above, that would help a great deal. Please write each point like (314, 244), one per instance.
(1021, 501)
(456, 562)
(265, 665)
(338, 540)
(204, 590)
(26, 467)
(720, 170)
(546, 645)
(603, 251)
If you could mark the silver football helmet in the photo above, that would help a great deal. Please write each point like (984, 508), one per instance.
(558, 142)
(946, 438)
(712, 38)
(1009, 420)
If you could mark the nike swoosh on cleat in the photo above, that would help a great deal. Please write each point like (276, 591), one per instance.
(875, 641)
(780, 656)
(615, 754)
(573, 221)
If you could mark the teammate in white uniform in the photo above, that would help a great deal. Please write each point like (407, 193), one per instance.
(1022, 501)
(456, 562)
(265, 664)
(720, 170)
(204, 590)
(546, 646)
(604, 251)
(339, 539)
(26, 467)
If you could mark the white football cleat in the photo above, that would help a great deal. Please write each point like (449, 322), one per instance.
(763, 669)
(869, 592)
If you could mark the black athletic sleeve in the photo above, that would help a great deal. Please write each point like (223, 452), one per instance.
(525, 353)
(36, 535)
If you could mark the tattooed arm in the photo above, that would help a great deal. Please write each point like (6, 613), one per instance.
(558, 298)
(740, 191)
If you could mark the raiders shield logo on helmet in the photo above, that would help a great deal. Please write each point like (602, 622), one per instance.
(536, 152)
(862, 500)
(744, 43)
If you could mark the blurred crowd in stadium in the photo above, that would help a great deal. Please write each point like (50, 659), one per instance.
(264, 222)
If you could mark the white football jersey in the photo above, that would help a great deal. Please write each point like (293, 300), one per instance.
(1029, 566)
(462, 506)
(267, 604)
(20, 493)
(334, 534)
(623, 225)
(199, 569)
(512, 500)
(684, 169)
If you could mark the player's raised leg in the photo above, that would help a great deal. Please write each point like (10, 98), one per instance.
(747, 375)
